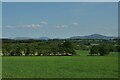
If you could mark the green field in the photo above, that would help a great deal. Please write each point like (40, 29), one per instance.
(0, 65)
(82, 66)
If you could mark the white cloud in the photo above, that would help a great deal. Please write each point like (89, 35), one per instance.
(44, 22)
(24, 26)
(62, 26)
(75, 23)
(35, 25)
(41, 24)
(58, 26)
(32, 26)
(9, 26)
(68, 25)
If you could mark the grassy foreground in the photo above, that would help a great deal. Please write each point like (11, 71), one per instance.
(82, 66)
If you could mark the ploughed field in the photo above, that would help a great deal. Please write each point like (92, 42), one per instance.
(82, 66)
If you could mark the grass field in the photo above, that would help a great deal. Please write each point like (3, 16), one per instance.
(0, 65)
(82, 66)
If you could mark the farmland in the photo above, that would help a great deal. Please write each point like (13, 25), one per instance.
(62, 58)
(59, 40)
(81, 66)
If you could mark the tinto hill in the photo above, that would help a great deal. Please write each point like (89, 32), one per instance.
(93, 36)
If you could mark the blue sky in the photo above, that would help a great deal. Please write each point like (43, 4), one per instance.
(0, 20)
(60, 0)
(59, 20)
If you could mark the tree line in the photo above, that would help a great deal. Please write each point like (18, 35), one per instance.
(30, 49)
(57, 47)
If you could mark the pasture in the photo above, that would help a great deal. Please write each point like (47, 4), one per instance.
(0, 64)
(82, 66)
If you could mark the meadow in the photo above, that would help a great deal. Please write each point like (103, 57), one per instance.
(82, 66)
(0, 65)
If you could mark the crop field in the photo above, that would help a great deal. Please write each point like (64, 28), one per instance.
(82, 66)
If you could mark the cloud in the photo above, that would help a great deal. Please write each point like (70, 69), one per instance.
(32, 26)
(24, 26)
(62, 26)
(75, 23)
(44, 22)
(9, 26)
(41, 24)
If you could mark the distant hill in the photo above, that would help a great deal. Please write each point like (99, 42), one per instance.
(21, 38)
(43, 38)
(27, 38)
(93, 36)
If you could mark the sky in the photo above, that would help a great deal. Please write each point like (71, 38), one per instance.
(59, 19)
(0, 20)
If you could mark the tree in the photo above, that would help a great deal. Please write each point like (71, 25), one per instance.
(103, 49)
(27, 51)
(32, 49)
(118, 48)
(11, 53)
(94, 50)
(67, 44)
(18, 51)
(60, 49)
(68, 48)
(111, 47)
(7, 49)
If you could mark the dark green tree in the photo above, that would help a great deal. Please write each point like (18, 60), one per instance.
(18, 51)
(68, 48)
(27, 52)
(94, 50)
(118, 48)
(103, 49)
